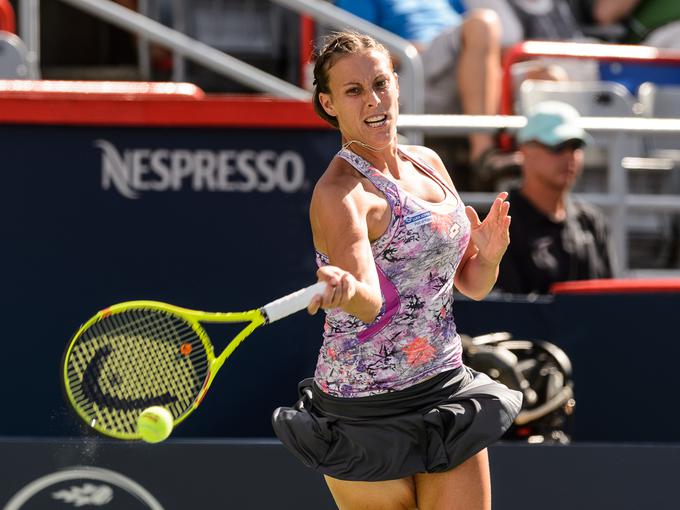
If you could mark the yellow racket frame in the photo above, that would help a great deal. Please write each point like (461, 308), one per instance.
(255, 318)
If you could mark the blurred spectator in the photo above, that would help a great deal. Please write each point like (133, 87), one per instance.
(650, 22)
(545, 20)
(553, 237)
(461, 56)
(542, 20)
(458, 6)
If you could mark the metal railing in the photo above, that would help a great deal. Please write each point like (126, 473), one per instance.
(153, 31)
(618, 200)
(411, 78)
(183, 46)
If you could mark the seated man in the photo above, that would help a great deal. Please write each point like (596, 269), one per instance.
(545, 20)
(548, 20)
(649, 22)
(461, 56)
(553, 237)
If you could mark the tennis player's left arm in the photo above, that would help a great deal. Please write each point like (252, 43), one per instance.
(489, 239)
(478, 269)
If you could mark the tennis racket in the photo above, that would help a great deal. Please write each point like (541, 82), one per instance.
(138, 354)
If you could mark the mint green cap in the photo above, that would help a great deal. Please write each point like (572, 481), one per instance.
(552, 123)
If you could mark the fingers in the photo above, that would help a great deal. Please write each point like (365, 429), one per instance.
(472, 216)
(503, 211)
(340, 289)
(499, 210)
(498, 205)
(314, 305)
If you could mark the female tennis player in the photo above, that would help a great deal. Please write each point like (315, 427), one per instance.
(392, 417)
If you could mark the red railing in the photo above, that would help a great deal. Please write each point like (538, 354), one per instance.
(145, 104)
(584, 51)
(573, 50)
(306, 48)
(7, 17)
(618, 286)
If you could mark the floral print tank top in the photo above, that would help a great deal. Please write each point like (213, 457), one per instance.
(414, 336)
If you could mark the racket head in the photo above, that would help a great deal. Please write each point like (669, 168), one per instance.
(131, 356)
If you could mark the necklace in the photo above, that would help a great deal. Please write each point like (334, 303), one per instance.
(365, 145)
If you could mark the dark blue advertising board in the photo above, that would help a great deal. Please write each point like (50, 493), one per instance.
(259, 475)
(211, 219)
(623, 348)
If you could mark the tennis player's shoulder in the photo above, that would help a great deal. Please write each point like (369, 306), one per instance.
(338, 183)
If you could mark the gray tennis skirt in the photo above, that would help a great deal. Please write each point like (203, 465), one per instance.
(430, 427)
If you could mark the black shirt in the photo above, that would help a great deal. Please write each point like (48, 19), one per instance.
(543, 251)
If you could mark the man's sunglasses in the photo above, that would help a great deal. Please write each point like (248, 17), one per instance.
(570, 145)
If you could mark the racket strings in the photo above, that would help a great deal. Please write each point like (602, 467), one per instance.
(147, 384)
(140, 380)
(131, 360)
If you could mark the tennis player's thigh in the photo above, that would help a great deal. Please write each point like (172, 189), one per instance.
(388, 495)
(465, 487)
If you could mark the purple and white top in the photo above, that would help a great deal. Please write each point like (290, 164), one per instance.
(414, 336)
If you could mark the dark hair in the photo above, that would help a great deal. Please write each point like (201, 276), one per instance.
(335, 46)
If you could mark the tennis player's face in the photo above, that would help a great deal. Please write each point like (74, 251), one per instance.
(364, 97)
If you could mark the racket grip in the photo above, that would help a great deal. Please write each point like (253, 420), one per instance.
(292, 303)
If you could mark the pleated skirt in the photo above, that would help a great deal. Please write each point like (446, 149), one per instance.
(430, 427)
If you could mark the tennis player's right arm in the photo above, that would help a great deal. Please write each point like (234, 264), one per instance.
(339, 226)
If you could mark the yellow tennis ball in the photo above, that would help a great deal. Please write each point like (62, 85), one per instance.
(154, 424)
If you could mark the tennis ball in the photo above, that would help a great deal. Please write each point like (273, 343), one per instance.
(154, 424)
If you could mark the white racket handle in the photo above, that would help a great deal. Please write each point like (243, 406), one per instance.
(287, 305)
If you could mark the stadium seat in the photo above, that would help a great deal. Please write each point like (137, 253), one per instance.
(259, 33)
(632, 75)
(591, 99)
(661, 101)
(13, 57)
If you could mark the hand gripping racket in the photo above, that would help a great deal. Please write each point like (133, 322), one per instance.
(138, 354)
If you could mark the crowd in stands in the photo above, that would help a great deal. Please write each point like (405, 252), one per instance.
(462, 42)
(460, 54)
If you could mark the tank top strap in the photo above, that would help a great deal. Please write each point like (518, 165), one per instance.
(387, 187)
(362, 166)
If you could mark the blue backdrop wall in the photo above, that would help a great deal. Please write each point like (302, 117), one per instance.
(216, 219)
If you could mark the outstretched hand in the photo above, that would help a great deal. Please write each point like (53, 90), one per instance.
(491, 236)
